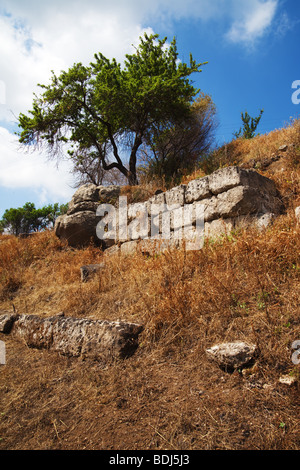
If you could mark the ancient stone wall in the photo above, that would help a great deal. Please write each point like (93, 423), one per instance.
(228, 198)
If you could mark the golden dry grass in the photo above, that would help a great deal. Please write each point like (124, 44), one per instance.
(168, 395)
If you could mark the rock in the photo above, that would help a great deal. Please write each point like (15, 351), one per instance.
(227, 196)
(283, 148)
(89, 269)
(231, 356)
(6, 322)
(82, 206)
(112, 250)
(77, 229)
(86, 192)
(197, 190)
(219, 227)
(288, 380)
(108, 194)
(226, 178)
(241, 200)
(156, 199)
(128, 248)
(176, 195)
(94, 339)
(264, 221)
(78, 225)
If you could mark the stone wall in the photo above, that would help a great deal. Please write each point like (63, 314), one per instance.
(229, 197)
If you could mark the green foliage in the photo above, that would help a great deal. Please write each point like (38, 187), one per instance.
(249, 125)
(178, 146)
(103, 109)
(28, 219)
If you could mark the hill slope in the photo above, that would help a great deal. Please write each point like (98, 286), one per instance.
(168, 395)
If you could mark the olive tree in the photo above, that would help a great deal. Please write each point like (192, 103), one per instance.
(104, 112)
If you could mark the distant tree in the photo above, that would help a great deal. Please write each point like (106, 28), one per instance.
(179, 145)
(53, 211)
(105, 112)
(28, 219)
(249, 125)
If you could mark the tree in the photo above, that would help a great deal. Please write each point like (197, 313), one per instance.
(249, 125)
(104, 111)
(28, 219)
(179, 145)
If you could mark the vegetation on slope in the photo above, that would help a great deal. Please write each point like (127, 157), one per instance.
(168, 395)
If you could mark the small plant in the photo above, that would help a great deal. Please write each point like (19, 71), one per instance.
(262, 299)
(249, 126)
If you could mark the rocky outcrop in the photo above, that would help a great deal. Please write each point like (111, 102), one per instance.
(87, 338)
(78, 226)
(230, 197)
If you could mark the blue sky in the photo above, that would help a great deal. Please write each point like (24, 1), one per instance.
(252, 49)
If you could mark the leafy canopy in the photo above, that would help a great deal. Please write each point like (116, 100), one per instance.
(28, 219)
(104, 110)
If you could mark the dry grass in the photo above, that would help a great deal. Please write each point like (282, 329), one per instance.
(168, 395)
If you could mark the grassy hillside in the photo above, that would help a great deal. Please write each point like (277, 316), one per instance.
(168, 395)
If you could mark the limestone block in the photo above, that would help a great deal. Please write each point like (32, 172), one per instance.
(176, 195)
(95, 339)
(138, 221)
(197, 190)
(219, 227)
(240, 200)
(229, 177)
(157, 199)
(128, 248)
(152, 247)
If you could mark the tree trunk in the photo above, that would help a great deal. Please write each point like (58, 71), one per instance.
(132, 179)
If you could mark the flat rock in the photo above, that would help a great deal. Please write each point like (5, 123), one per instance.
(88, 270)
(87, 338)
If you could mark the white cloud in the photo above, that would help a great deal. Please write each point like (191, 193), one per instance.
(253, 21)
(43, 40)
(38, 36)
(19, 169)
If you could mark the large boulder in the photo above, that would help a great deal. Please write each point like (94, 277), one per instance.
(87, 338)
(78, 226)
(77, 229)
